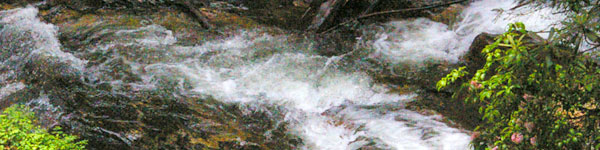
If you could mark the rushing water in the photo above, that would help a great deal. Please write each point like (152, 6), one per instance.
(422, 39)
(330, 105)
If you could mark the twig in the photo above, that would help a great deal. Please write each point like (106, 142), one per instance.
(115, 134)
(373, 5)
(306, 12)
(521, 5)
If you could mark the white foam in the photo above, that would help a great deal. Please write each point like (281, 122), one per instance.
(418, 40)
(252, 67)
(307, 85)
(152, 35)
(10, 89)
(44, 43)
(321, 133)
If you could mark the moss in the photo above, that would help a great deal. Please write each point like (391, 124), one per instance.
(449, 16)
(220, 18)
(175, 21)
(129, 21)
(4, 6)
(214, 140)
(63, 15)
(84, 21)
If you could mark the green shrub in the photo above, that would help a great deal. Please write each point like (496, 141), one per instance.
(19, 131)
(539, 95)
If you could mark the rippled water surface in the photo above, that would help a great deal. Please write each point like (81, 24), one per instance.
(329, 104)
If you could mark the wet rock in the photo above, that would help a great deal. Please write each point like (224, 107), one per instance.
(95, 94)
(333, 12)
(449, 15)
(79, 5)
(151, 120)
(220, 18)
(190, 7)
(336, 44)
(369, 143)
(279, 13)
(473, 58)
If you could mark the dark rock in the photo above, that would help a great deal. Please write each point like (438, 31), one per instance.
(473, 58)
(20, 2)
(369, 143)
(334, 12)
(279, 13)
(335, 44)
(80, 5)
(115, 116)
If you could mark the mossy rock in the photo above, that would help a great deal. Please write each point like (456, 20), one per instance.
(449, 16)
(221, 18)
(5, 6)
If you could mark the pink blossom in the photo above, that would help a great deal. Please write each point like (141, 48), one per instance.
(475, 84)
(532, 140)
(526, 96)
(516, 137)
(495, 148)
(474, 135)
(529, 126)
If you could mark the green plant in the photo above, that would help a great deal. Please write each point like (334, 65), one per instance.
(533, 96)
(18, 131)
(538, 95)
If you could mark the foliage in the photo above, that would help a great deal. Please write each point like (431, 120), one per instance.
(18, 131)
(539, 95)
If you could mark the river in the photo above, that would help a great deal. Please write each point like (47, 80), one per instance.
(329, 102)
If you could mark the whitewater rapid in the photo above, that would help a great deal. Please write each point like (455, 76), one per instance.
(329, 105)
(421, 39)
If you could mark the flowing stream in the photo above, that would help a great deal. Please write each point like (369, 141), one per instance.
(329, 103)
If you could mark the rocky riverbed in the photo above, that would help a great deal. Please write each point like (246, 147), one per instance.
(235, 74)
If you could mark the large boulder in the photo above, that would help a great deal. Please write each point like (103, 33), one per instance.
(473, 58)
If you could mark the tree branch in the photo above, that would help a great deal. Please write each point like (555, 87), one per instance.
(390, 12)
(195, 13)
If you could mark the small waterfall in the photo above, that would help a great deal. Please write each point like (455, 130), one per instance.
(418, 40)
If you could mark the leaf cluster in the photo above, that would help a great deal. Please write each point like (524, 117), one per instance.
(18, 131)
(539, 95)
